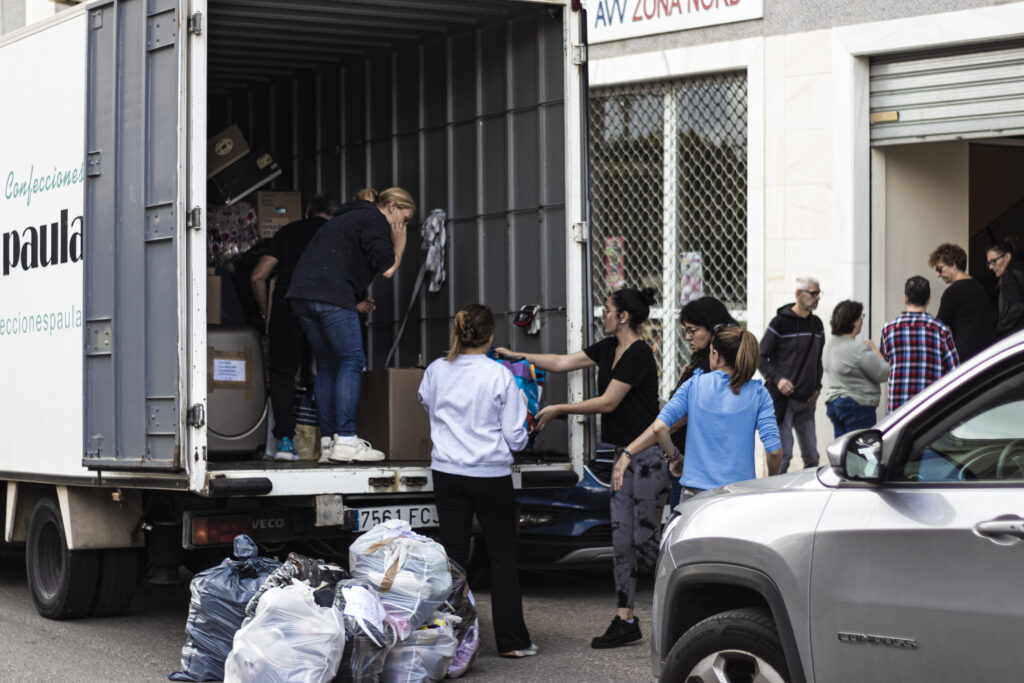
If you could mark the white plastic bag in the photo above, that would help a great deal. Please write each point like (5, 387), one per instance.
(290, 640)
(410, 570)
(422, 657)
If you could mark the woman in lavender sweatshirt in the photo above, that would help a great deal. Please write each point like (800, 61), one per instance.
(477, 418)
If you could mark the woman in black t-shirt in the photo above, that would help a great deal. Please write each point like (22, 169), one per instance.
(627, 381)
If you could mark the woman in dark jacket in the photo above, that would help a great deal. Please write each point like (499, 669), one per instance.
(1002, 260)
(327, 294)
(699, 318)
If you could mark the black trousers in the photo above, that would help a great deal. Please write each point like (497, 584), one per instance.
(457, 497)
(289, 351)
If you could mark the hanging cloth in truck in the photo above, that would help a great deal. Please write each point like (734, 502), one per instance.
(433, 239)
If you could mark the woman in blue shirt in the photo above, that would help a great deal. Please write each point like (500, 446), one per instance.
(723, 408)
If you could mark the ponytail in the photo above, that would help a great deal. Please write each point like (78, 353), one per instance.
(739, 350)
(473, 327)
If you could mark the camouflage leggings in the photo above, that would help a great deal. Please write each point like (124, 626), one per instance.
(636, 511)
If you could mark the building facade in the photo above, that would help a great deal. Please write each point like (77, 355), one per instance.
(872, 132)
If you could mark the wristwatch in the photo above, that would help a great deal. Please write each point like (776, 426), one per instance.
(625, 452)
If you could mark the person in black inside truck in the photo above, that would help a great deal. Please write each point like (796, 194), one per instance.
(328, 292)
(287, 342)
(627, 379)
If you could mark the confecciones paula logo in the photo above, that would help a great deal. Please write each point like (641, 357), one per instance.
(44, 246)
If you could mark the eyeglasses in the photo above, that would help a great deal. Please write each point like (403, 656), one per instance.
(992, 261)
(690, 331)
(813, 293)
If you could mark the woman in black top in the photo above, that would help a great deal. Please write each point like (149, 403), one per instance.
(327, 294)
(1002, 260)
(699, 318)
(965, 306)
(627, 379)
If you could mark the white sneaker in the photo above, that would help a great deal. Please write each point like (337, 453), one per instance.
(326, 444)
(356, 450)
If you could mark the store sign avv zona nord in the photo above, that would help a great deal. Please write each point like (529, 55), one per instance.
(618, 19)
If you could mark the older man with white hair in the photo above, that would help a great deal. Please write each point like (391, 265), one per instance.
(791, 365)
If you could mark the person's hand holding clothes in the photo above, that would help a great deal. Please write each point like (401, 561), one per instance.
(546, 414)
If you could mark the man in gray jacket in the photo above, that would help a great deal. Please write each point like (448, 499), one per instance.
(791, 365)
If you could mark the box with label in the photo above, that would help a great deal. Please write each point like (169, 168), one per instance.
(213, 297)
(224, 149)
(390, 417)
(251, 172)
(274, 210)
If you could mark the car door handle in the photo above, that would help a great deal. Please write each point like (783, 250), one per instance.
(1001, 527)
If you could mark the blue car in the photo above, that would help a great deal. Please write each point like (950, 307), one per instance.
(568, 526)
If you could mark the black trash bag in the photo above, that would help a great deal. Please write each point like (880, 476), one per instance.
(366, 646)
(321, 576)
(461, 604)
(217, 608)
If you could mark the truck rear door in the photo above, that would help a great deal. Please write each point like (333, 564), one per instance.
(135, 307)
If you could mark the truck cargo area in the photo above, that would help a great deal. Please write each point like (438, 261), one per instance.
(461, 102)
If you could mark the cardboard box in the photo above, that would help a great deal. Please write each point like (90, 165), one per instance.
(390, 416)
(274, 210)
(224, 149)
(251, 172)
(213, 298)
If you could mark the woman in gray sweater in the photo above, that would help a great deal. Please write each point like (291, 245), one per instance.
(855, 370)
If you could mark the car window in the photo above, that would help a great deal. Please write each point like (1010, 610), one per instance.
(986, 444)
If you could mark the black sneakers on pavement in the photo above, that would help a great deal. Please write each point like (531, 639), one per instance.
(620, 632)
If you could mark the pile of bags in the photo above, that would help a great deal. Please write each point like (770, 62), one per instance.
(405, 614)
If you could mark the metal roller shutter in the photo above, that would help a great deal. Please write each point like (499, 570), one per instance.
(958, 93)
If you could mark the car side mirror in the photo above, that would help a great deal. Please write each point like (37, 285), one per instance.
(858, 455)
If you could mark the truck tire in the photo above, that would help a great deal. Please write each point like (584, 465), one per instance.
(63, 582)
(739, 646)
(118, 577)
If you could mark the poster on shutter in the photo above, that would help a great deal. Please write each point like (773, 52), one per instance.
(614, 263)
(691, 276)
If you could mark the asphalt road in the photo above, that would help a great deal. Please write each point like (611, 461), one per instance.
(564, 610)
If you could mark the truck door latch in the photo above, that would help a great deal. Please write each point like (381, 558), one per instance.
(195, 24)
(196, 416)
(195, 217)
(580, 232)
(579, 55)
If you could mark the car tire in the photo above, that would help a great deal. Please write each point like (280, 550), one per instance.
(118, 577)
(739, 646)
(62, 581)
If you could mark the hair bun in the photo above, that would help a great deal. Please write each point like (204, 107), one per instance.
(649, 294)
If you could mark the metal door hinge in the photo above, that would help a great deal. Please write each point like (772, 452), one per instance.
(197, 416)
(579, 54)
(581, 232)
(195, 217)
(195, 24)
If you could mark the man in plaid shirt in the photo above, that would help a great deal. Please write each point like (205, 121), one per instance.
(919, 348)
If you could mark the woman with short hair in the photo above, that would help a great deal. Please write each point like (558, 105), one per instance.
(855, 370)
(965, 306)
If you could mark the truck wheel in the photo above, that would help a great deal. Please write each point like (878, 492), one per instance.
(63, 581)
(739, 646)
(119, 574)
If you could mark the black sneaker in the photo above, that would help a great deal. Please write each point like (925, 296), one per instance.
(619, 633)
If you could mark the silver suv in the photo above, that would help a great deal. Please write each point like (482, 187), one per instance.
(900, 560)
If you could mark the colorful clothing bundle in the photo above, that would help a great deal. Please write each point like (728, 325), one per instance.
(530, 381)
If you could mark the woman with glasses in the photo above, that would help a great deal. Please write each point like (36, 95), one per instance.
(700, 318)
(965, 306)
(724, 408)
(1002, 260)
(855, 370)
(627, 379)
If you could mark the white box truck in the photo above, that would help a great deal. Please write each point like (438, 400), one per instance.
(475, 106)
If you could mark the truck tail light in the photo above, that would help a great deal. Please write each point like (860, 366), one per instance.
(219, 530)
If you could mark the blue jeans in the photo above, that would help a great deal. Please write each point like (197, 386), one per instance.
(337, 342)
(848, 415)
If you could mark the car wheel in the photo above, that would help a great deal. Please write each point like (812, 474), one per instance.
(738, 646)
(63, 582)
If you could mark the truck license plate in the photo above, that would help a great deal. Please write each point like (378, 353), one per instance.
(418, 516)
